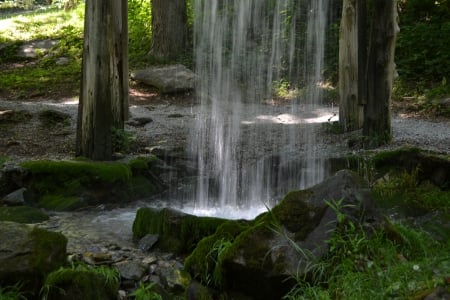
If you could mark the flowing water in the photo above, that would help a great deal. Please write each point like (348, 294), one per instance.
(259, 65)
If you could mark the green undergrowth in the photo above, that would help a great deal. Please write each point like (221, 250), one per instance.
(81, 281)
(396, 262)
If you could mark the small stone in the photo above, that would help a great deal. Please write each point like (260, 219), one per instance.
(97, 258)
(148, 241)
(139, 121)
(131, 269)
(15, 198)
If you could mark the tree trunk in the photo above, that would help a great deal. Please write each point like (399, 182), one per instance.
(104, 83)
(380, 73)
(169, 28)
(350, 111)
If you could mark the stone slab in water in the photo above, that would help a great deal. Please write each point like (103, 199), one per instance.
(167, 79)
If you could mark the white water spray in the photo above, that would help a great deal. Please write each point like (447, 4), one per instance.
(246, 142)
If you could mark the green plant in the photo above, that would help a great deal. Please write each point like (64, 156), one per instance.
(12, 292)
(84, 277)
(146, 291)
(121, 140)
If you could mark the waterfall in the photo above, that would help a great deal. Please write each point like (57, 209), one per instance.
(247, 141)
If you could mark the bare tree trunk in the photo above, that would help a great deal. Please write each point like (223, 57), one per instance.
(361, 19)
(104, 84)
(350, 111)
(169, 28)
(380, 73)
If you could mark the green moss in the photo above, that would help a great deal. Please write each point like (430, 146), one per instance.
(80, 283)
(48, 244)
(381, 158)
(296, 214)
(85, 170)
(58, 183)
(141, 186)
(22, 214)
(60, 203)
(178, 232)
(141, 162)
(204, 262)
(3, 159)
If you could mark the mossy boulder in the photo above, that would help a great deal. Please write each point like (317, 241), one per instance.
(28, 254)
(22, 214)
(81, 283)
(178, 232)
(261, 257)
(430, 166)
(69, 185)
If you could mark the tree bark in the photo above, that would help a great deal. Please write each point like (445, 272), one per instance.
(350, 111)
(104, 84)
(169, 28)
(380, 73)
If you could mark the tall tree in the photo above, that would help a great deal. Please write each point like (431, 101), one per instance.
(380, 73)
(350, 110)
(169, 28)
(104, 84)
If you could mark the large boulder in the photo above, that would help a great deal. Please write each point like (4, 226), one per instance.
(28, 254)
(167, 79)
(262, 259)
(178, 232)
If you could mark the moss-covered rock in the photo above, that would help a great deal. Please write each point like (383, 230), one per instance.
(68, 185)
(260, 258)
(179, 232)
(80, 283)
(28, 254)
(430, 166)
(22, 214)
(204, 262)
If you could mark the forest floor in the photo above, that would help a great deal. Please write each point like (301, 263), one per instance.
(25, 134)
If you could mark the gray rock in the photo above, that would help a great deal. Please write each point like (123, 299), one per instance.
(148, 241)
(15, 198)
(28, 254)
(12, 177)
(167, 79)
(131, 269)
(140, 121)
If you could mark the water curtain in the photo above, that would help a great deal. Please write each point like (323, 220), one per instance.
(259, 64)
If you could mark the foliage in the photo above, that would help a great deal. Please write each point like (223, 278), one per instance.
(121, 140)
(46, 76)
(146, 292)
(12, 292)
(422, 52)
(91, 282)
(363, 265)
(140, 26)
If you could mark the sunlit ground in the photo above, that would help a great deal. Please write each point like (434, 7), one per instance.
(40, 24)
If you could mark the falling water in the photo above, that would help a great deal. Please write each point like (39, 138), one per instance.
(246, 142)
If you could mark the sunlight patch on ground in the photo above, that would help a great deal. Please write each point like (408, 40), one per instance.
(292, 119)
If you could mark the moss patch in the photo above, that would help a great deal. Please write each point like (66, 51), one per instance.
(204, 263)
(60, 203)
(178, 232)
(22, 214)
(50, 250)
(99, 171)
